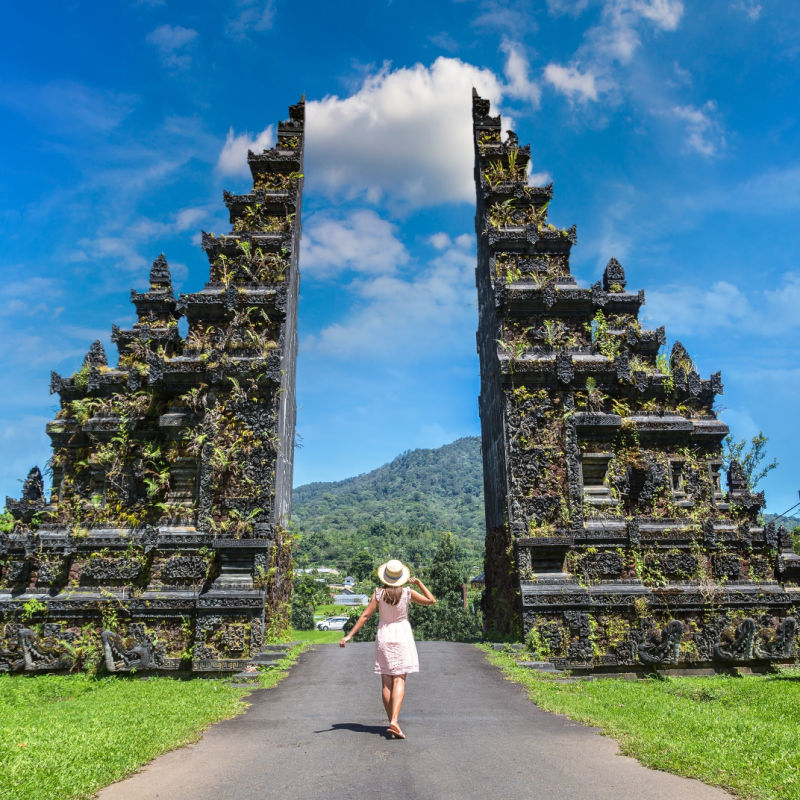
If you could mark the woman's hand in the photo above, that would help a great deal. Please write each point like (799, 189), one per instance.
(343, 641)
(415, 581)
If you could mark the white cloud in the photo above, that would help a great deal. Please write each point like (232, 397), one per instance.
(119, 251)
(571, 82)
(408, 318)
(704, 133)
(751, 9)
(725, 307)
(65, 106)
(361, 241)
(188, 218)
(618, 37)
(440, 241)
(519, 85)
(170, 40)
(233, 157)
(515, 17)
(405, 134)
(32, 296)
(256, 15)
(538, 178)
(572, 7)
(666, 14)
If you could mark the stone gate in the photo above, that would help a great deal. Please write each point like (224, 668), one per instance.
(163, 542)
(611, 540)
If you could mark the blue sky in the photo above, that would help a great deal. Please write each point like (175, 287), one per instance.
(670, 130)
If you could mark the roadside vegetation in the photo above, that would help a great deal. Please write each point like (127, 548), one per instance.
(63, 737)
(740, 733)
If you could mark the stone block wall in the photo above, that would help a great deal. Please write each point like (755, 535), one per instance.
(163, 544)
(611, 540)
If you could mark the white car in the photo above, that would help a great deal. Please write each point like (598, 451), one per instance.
(332, 624)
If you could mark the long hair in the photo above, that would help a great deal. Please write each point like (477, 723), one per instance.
(392, 594)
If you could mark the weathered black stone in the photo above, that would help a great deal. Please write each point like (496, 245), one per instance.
(652, 562)
(166, 463)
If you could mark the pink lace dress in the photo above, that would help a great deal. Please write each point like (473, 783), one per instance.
(395, 651)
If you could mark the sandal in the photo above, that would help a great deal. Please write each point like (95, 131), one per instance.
(395, 732)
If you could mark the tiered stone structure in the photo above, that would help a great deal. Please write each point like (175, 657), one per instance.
(611, 542)
(162, 544)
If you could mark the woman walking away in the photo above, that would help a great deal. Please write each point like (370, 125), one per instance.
(395, 651)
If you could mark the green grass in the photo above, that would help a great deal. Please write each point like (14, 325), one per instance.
(66, 736)
(316, 637)
(741, 733)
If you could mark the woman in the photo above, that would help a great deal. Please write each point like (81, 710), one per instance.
(395, 651)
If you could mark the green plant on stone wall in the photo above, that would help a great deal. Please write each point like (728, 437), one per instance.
(664, 367)
(32, 608)
(606, 342)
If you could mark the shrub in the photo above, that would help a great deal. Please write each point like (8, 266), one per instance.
(302, 617)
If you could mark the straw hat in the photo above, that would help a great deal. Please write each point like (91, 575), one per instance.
(393, 573)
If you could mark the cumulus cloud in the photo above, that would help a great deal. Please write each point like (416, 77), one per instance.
(572, 82)
(406, 134)
(704, 133)
(360, 241)
(725, 307)
(516, 69)
(233, 157)
(408, 318)
(171, 42)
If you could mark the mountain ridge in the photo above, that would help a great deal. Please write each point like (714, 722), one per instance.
(399, 507)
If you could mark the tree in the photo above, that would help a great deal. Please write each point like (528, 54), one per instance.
(308, 591)
(750, 460)
(445, 576)
(448, 619)
(362, 565)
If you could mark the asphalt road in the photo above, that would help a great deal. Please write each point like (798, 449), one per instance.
(471, 734)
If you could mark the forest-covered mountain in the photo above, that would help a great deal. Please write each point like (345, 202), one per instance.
(397, 510)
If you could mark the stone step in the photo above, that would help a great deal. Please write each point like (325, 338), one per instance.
(539, 666)
(276, 648)
(243, 679)
(500, 646)
(267, 659)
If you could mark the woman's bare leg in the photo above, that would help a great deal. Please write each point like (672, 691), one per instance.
(386, 694)
(398, 693)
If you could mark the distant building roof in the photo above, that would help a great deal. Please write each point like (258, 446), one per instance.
(479, 578)
(350, 599)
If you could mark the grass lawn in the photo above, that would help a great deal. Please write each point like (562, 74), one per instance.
(317, 637)
(739, 733)
(66, 736)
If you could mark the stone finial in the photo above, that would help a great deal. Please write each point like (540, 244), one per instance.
(33, 487)
(32, 499)
(160, 277)
(679, 358)
(297, 112)
(480, 107)
(96, 357)
(737, 479)
(613, 276)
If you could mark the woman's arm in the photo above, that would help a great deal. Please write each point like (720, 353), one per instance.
(424, 599)
(365, 615)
